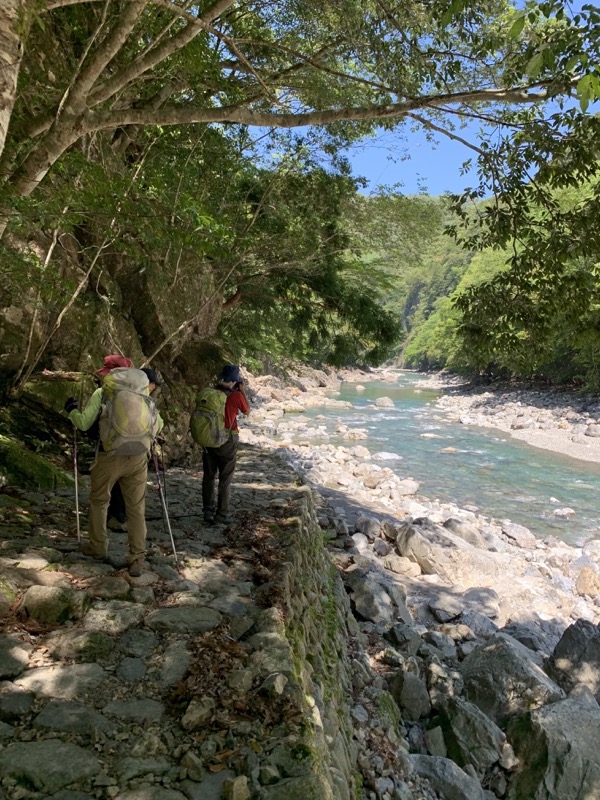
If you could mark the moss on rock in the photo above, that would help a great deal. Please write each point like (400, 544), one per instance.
(21, 467)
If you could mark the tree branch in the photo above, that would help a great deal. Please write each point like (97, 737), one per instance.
(427, 123)
(155, 57)
(245, 116)
(89, 73)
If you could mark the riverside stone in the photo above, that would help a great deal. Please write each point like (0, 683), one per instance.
(310, 787)
(519, 535)
(470, 736)
(446, 606)
(558, 748)
(410, 692)
(439, 551)
(467, 532)
(576, 658)
(503, 680)
(588, 582)
(447, 778)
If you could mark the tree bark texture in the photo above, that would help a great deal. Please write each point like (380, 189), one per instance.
(13, 26)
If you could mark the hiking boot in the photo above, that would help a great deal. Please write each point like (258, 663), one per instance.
(223, 519)
(86, 550)
(113, 524)
(209, 517)
(136, 569)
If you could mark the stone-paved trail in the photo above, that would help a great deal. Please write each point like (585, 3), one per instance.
(149, 688)
(239, 675)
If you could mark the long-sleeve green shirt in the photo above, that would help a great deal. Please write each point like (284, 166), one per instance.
(86, 418)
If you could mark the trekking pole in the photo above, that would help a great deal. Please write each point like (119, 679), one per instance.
(163, 501)
(76, 482)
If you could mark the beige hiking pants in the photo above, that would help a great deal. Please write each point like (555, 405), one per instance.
(132, 474)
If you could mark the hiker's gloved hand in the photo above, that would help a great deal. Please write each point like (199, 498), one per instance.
(71, 404)
(160, 455)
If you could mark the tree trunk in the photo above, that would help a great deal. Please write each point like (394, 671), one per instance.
(13, 27)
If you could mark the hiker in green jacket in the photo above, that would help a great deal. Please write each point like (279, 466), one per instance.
(109, 467)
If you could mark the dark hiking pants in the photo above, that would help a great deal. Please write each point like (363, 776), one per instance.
(219, 461)
(116, 507)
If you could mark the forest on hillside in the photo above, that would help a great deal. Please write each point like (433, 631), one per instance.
(175, 185)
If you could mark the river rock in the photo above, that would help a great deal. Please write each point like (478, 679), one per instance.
(401, 565)
(558, 749)
(375, 600)
(370, 526)
(440, 552)
(466, 531)
(470, 736)
(446, 606)
(576, 658)
(519, 535)
(502, 679)
(447, 778)
(384, 402)
(410, 692)
(588, 582)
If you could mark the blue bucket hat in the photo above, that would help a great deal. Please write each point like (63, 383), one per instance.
(230, 372)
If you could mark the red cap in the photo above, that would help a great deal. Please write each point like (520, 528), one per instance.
(112, 362)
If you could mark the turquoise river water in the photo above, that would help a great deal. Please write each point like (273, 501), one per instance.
(504, 478)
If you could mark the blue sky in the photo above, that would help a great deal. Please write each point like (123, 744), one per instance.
(417, 164)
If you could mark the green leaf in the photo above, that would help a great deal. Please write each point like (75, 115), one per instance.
(535, 64)
(517, 27)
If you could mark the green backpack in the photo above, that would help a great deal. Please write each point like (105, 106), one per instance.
(208, 420)
(129, 419)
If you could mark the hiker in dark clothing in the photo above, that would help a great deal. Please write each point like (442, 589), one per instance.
(221, 460)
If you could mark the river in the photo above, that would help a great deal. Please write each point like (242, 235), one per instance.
(500, 476)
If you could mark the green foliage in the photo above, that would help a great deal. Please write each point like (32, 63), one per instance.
(269, 233)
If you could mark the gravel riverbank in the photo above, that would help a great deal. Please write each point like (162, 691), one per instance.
(560, 421)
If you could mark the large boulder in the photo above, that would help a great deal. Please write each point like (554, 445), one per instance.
(448, 779)
(558, 748)
(439, 551)
(576, 658)
(375, 598)
(502, 678)
(470, 736)
(466, 531)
